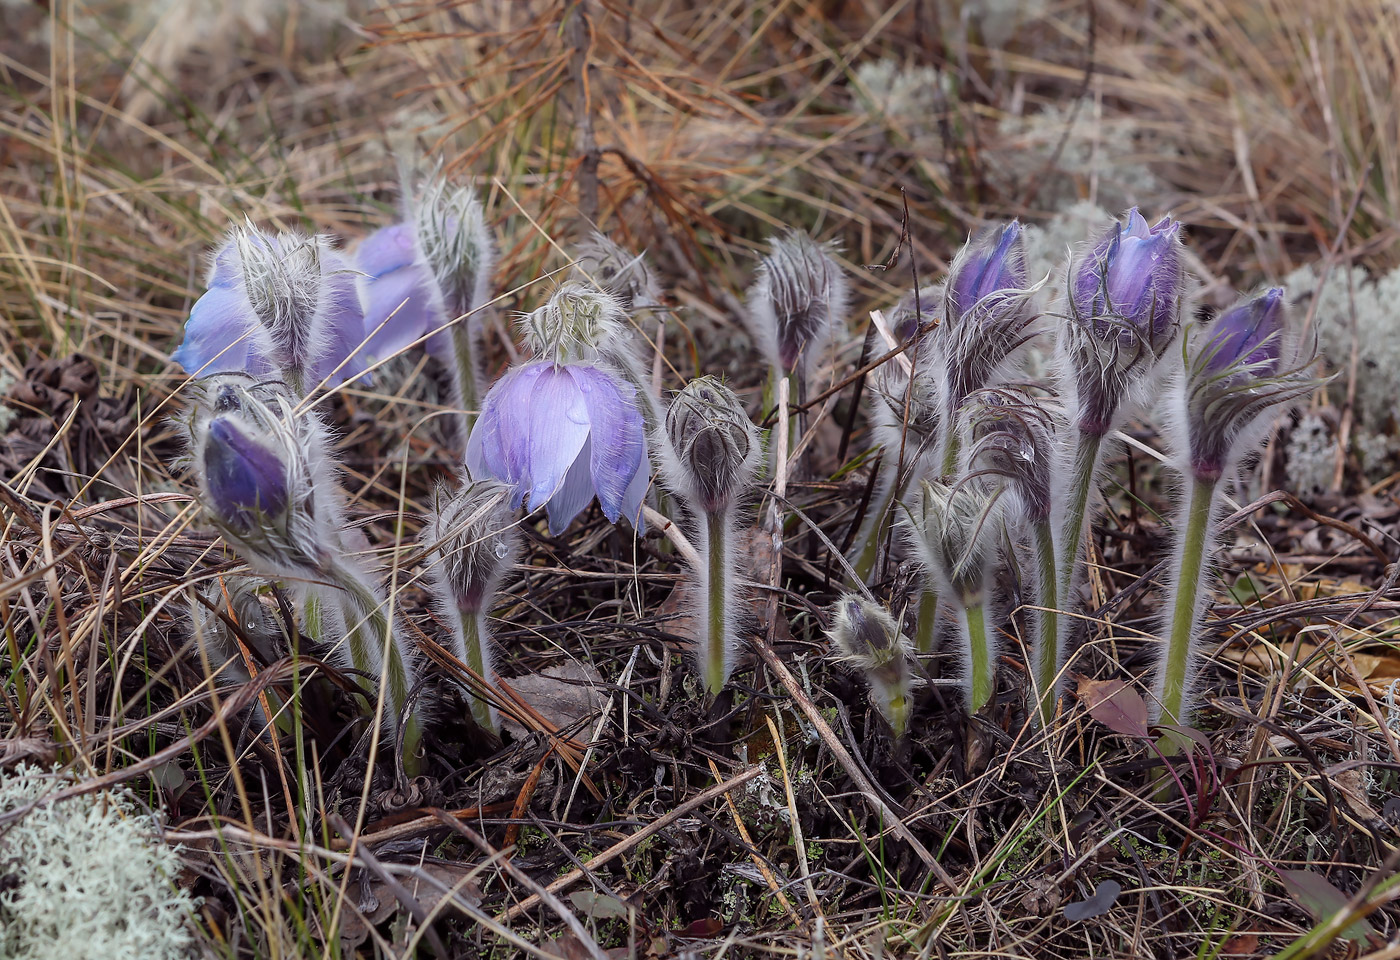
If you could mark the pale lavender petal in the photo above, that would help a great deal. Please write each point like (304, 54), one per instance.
(1137, 224)
(617, 432)
(499, 443)
(555, 428)
(220, 335)
(398, 294)
(636, 491)
(573, 495)
(347, 332)
(386, 250)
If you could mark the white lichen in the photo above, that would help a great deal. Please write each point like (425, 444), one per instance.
(1310, 456)
(1104, 159)
(86, 877)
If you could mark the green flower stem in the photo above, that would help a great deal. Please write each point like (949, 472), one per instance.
(713, 632)
(370, 637)
(926, 621)
(1185, 605)
(980, 665)
(475, 637)
(1047, 642)
(1084, 467)
(468, 383)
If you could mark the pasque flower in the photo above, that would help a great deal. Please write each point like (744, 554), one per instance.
(1240, 374)
(430, 274)
(711, 459)
(281, 304)
(263, 464)
(798, 298)
(955, 532)
(560, 434)
(867, 637)
(1124, 299)
(473, 543)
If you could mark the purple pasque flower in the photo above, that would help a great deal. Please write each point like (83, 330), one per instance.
(276, 303)
(243, 478)
(424, 273)
(559, 434)
(1130, 282)
(992, 262)
(1240, 372)
(1248, 336)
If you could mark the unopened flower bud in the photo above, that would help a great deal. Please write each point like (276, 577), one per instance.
(625, 276)
(799, 296)
(954, 529)
(574, 325)
(245, 479)
(915, 310)
(867, 637)
(474, 542)
(990, 267)
(1012, 439)
(456, 244)
(1243, 368)
(1248, 336)
(716, 445)
(1129, 284)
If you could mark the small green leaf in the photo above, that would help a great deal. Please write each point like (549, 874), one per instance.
(1315, 893)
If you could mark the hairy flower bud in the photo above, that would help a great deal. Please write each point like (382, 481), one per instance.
(574, 325)
(473, 540)
(620, 274)
(715, 444)
(867, 637)
(456, 244)
(991, 264)
(1124, 305)
(1129, 284)
(915, 310)
(954, 529)
(1012, 438)
(244, 478)
(799, 296)
(1243, 367)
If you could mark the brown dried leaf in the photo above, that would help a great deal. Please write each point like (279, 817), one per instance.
(1114, 704)
(563, 695)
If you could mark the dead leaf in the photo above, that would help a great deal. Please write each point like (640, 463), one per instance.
(563, 695)
(1115, 705)
(599, 906)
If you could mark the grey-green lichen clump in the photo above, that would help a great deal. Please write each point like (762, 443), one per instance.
(86, 877)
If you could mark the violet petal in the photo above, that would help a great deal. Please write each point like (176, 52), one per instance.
(617, 429)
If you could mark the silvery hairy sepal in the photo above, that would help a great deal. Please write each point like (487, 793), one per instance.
(622, 275)
(574, 325)
(867, 637)
(1238, 372)
(988, 309)
(473, 543)
(282, 304)
(715, 446)
(1124, 297)
(916, 310)
(798, 298)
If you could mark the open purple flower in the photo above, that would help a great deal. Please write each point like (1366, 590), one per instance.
(276, 302)
(424, 273)
(1132, 277)
(561, 434)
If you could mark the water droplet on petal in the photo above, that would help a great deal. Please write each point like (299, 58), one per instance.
(501, 550)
